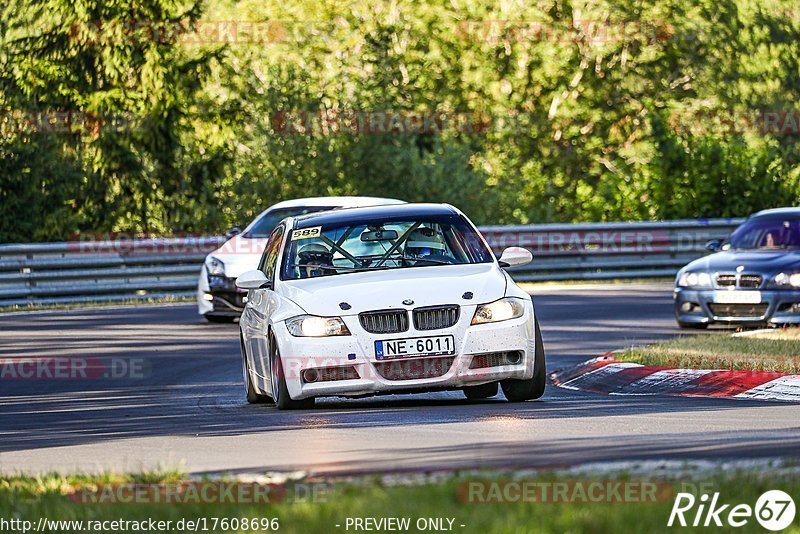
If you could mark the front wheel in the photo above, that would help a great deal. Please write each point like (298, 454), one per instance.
(280, 393)
(533, 388)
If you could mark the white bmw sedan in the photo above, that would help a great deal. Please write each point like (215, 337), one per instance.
(387, 299)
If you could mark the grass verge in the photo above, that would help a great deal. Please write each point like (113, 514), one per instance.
(446, 498)
(769, 351)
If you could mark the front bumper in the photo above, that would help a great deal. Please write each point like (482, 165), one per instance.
(218, 295)
(516, 337)
(699, 306)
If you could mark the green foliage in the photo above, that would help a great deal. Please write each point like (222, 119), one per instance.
(134, 164)
(582, 122)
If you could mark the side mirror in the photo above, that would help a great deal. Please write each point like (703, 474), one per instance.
(253, 280)
(232, 232)
(515, 257)
(714, 245)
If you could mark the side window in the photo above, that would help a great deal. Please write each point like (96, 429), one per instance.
(270, 257)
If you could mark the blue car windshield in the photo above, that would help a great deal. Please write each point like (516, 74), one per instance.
(767, 234)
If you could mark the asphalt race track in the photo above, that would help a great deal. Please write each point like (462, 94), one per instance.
(175, 398)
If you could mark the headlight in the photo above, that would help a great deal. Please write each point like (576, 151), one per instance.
(214, 266)
(783, 279)
(499, 310)
(313, 326)
(690, 279)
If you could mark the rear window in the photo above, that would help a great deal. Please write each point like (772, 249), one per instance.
(264, 225)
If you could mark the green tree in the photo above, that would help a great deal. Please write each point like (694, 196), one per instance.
(119, 66)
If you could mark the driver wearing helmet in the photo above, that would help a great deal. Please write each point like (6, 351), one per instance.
(311, 257)
(425, 244)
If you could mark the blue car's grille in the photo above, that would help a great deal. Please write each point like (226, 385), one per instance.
(742, 281)
(738, 310)
(726, 280)
(750, 280)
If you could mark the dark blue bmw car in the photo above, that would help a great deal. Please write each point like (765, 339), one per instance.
(753, 277)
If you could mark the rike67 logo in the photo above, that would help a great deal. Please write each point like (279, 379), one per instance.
(774, 510)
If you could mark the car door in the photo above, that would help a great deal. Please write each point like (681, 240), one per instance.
(261, 303)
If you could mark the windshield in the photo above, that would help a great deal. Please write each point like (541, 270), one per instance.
(767, 234)
(264, 225)
(377, 244)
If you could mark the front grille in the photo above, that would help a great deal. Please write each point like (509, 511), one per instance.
(436, 317)
(221, 283)
(750, 280)
(415, 368)
(726, 280)
(746, 281)
(495, 359)
(738, 310)
(384, 321)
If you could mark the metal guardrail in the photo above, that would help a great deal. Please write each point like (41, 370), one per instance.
(596, 251)
(115, 269)
(101, 268)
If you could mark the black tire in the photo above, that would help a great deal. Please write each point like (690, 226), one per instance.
(279, 390)
(693, 326)
(253, 396)
(219, 318)
(533, 388)
(484, 391)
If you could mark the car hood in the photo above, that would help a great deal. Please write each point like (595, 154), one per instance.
(240, 254)
(377, 290)
(764, 261)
